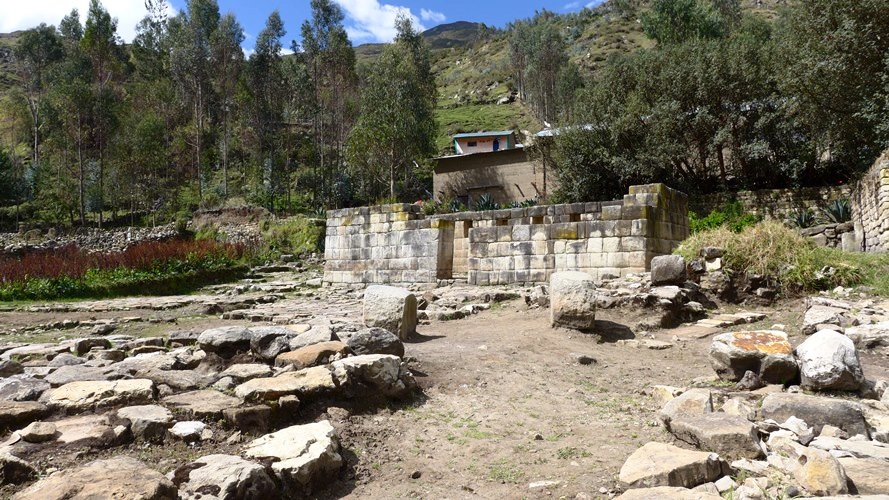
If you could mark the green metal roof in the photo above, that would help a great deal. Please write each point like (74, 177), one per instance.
(483, 134)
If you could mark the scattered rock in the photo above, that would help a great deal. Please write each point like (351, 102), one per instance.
(207, 404)
(188, 431)
(766, 353)
(584, 359)
(147, 422)
(22, 388)
(78, 373)
(731, 436)
(225, 341)
(572, 300)
(65, 359)
(38, 432)
(866, 477)
(88, 430)
(385, 373)
(246, 371)
(668, 270)
(816, 411)
(659, 464)
(817, 315)
(14, 470)
(269, 341)
(376, 341)
(305, 457)
(120, 477)
(391, 308)
(828, 361)
(815, 470)
(667, 493)
(315, 335)
(223, 477)
(9, 368)
(691, 402)
(315, 354)
(253, 419)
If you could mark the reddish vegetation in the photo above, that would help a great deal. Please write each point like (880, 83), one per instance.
(73, 262)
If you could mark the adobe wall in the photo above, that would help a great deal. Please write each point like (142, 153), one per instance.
(507, 175)
(397, 244)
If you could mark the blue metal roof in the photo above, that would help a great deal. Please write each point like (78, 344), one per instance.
(484, 134)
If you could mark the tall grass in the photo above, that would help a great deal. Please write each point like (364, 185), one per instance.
(772, 249)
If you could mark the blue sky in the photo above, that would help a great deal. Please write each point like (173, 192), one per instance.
(366, 20)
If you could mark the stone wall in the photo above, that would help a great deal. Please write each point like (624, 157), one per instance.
(507, 176)
(397, 244)
(870, 207)
(833, 235)
(772, 203)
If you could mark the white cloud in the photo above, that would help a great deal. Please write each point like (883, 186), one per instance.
(19, 15)
(432, 16)
(372, 21)
(572, 5)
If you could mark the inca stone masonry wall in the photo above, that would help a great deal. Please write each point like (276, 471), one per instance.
(773, 203)
(870, 207)
(398, 244)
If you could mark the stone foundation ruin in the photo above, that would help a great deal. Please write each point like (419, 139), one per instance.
(398, 244)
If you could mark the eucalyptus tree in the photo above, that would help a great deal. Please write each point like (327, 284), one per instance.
(228, 59)
(191, 66)
(36, 51)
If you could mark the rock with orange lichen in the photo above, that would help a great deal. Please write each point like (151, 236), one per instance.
(767, 353)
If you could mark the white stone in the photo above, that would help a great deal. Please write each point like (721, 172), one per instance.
(231, 477)
(392, 308)
(188, 431)
(572, 300)
(828, 361)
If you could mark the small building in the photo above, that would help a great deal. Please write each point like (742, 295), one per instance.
(484, 142)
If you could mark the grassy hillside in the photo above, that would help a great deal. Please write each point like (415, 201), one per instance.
(7, 72)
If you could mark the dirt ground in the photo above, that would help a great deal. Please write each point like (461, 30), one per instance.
(504, 404)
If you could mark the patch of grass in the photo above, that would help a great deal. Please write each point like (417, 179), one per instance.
(774, 250)
(481, 117)
(295, 236)
(505, 472)
(569, 453)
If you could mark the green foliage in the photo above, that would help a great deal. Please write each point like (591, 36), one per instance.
(731, 216)
(295, 236)
(678, 21)
(802, 219)
(485, 202)
(774, 250)
(838, 211)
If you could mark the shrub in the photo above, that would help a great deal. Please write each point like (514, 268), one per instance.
(802, 219)
(772, 249)
(485, 202)
(297, 236)
(838, 211)
(730, 215)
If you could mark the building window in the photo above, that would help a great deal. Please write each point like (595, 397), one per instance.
(471, 144)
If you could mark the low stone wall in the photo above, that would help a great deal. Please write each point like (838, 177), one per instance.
(773, 203)
(89, 239)
(398, 244)
(833, 236)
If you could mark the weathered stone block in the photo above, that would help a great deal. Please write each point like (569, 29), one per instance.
(572, 300)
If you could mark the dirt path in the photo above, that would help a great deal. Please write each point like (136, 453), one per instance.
(506, 404)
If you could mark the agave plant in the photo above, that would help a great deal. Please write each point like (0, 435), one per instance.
(802, 219)
(485, 202)
(838, 211)
(454, 205)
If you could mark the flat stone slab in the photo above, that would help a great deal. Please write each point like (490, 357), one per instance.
(667, 493)
(246, 371)
(866, 475)
(815, 411)
(87, 430)
(857, 449)
(15, 414)
(307, 382)
(81, 396)
(660, 464)
(201, 404)
(730, 436)
(120, 477)
(228, 476)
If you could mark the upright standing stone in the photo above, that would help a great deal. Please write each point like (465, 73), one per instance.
(392, 308)
(572, 300)
(668, 270)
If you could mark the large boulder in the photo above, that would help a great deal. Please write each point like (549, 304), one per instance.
(121, 477)
(223, 477)
(660, 464)
(668, 270)
(392, 308)
(312, 355)
(731, 436)
(22, 387)
(815, 411)
(315, 335)
(383, 372)
(305, 458)
(765, 353)
(828, 361)
(572, 300)
(376, 341)
(866, 476)
(225, 341)
(83, 396)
